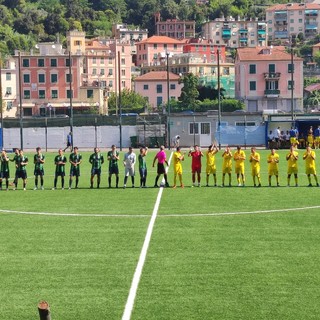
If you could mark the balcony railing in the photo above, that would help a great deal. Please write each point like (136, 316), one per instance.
(272, 93)
(272, 75)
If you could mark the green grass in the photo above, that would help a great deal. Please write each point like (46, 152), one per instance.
(231, 266)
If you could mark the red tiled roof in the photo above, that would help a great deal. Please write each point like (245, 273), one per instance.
(156, 76)
(312, 87)
(316, 45)
(294, 6)
(161, 39)
(277, 53)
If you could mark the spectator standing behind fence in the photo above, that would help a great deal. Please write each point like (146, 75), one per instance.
(129, 162)
(176, 141)
(69, 142)
(277, 136)
(143, 166)
(60, 161)
(38, 160)
(310, 156)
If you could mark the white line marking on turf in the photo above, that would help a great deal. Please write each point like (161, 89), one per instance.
(137, 274)
(238, 213)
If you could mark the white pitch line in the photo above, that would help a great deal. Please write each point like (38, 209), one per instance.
(137, 275)
(237, 213)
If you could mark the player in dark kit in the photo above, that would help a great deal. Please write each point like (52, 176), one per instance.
(113, 158)
(60, 161)
(96, 160)
(21, 162)
(38, 161)
(75, 159)
(4, 169)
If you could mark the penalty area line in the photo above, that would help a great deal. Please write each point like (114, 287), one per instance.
(143, 254)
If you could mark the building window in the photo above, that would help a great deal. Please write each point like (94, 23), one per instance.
(8, 91)
(101, 60)
(159, 101)
(26, 78)
(41, 78)
(252, 69)
(145, 87)
(252, 85)
(54, 78)
(300, 20)
(42, 94)
(155, 46)
(94, 71)
(123, 72)
(175, 47)
(110, 60)
(272, 68)
(26, 94)
(172, 86)
(67, 62)
(159, 88)
(291, 20)
(123, 84)
(102, 72)
(290, 68)
(40, 62)
(193, 128)
(9, 105)
(165, 46)
(8, 76)
(69, 94)
(110, 84)
(110, 72)
(290, 85)
(25, 63)
(123, 61)
(90, 94)
(94, 60)
(122, 49)
(68, 78)
(53, 62)
(54, 94)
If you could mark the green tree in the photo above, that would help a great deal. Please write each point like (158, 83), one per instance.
(189, 92)
(130, 102)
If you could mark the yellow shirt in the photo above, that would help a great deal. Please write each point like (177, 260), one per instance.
(255, 161)
(211, 159)
(292, 161)
(227, 160)
(239, 157)
(273, 161)
(309, 158)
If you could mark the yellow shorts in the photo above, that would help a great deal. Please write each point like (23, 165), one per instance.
(177, 169)
(317, 140)
(211, 170)
(239, 169)
(255, 172)
(273, 172)
(227, 170)
(311, 170)
(293, 170)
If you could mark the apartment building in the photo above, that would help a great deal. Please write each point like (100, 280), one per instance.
(285, 21)
(154, 87)
(266, 79)
(174, 28)
(154, 50)
(235, 33)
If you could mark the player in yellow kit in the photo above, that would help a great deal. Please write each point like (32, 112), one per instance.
(239, 157)
(310, 156)
(292, 158)
(211, 163)
(273, 168)
(226, 165)
(177, 167)
(255, 166)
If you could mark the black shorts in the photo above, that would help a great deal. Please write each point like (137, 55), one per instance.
(38, 172)
(114, 170)
(75, 172)
(161, 169)
(96, 172)
(60, 174)
(4, 175)
(21, 174)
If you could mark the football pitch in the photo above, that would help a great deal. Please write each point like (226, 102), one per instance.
(203, 253)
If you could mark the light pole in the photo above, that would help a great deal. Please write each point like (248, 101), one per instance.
(120, 102)
(70, 99)
(219, 98)
(1, 102)
(20, 101)
(168, 101)
(292, 77)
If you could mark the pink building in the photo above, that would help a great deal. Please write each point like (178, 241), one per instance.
(154, 87)
(153, 51)
(45, 79)
(263, 79)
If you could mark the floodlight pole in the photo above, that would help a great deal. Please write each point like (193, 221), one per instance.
(71, 96)
(120, 102)
(168, 101)
(219, 98)
(20, 101)
(292, 86)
